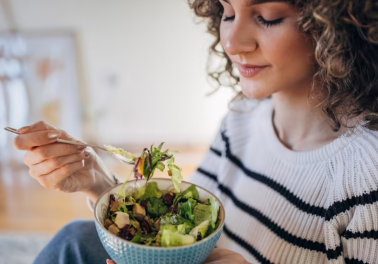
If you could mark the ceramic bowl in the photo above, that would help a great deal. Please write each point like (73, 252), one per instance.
(125, 252)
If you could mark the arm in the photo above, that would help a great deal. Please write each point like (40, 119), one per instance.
(352, 236)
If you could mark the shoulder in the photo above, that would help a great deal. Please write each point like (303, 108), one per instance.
(353, 171)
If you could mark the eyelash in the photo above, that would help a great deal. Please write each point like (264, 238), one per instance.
(267, 23)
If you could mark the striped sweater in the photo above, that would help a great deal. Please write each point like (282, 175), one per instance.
(291, 207)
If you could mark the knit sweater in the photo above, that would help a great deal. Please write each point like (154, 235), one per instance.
(283, 206)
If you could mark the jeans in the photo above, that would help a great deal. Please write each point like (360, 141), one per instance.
(76, 243)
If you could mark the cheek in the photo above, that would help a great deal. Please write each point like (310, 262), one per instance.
(290, 54)
(291, 60)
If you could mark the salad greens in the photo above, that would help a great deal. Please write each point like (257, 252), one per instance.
(150, 216)
(150, 160)
(154, 217)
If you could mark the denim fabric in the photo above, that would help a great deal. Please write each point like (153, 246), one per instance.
(76, 243)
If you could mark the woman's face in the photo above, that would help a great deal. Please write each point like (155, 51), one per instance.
(264, 42)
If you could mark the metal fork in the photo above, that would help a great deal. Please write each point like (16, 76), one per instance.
(119, 157)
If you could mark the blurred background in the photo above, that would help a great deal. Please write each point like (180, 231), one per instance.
(120, 72)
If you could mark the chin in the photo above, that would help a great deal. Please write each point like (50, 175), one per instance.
(254, 91)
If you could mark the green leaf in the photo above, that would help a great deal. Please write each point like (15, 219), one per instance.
(160, 146)
(122, 193)
(137, 238)
(172, 239)
(149, 239)
(141, 191)
(202, 212)
(122, 208)
(214, 210)
(176, 175)
(200, 229)
(151, 190)
(177, 199)
(174, 228)
(119, 151)
(191, 192)
(187, 209)
(130, 200)
(135, 224)
(170, 219)
(156, 207)
(160, 166)
(211, 229)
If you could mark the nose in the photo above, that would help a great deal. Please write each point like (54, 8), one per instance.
(238, 37)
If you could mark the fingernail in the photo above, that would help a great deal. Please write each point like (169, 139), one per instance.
(87, 153)
(53, 135)
(23, 129)
(81, 147)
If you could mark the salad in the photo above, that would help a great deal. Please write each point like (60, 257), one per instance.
(161, 218)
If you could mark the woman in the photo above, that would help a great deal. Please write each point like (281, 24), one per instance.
(298, 171)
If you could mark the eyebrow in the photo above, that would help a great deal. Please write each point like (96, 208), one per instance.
(256, 2)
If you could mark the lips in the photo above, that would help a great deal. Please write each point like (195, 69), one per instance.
(248, 70)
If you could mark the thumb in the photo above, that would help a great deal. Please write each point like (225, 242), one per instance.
(108, 261)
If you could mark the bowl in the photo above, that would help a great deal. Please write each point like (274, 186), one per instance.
(125, 252)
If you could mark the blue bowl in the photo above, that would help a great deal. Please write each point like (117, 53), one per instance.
(125, 252)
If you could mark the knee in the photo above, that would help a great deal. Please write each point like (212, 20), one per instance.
(78, 231)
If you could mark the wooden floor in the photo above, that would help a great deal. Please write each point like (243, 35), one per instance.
(27, 207)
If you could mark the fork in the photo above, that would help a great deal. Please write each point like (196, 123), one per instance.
(117, 156)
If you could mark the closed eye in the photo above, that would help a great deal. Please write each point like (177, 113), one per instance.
(226, 18)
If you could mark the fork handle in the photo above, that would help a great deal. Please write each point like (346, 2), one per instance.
(15, 131)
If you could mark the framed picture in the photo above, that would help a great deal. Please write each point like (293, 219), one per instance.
(39, 80)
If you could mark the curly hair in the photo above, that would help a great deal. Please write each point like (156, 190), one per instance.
(345, 33)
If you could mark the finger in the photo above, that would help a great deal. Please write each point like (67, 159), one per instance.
(218, 254)
(39, 126)
(53, 179)
(42, 153)
(108, 261)
(35, 139)
(51, 165)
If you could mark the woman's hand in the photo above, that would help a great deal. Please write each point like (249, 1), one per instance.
(218, 256)
(225, 256)
(58, 166)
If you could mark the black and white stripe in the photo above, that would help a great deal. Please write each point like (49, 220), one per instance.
(287, 207)
(333, 211)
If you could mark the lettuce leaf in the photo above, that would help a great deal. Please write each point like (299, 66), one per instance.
(174, 228)
(170, 219)
(119, 151)
(156, 207)
(202, 212)
(191, 192)
(187, 209)
(214, 210)
(151, 190)
(137, 238)
(172, 239)
(200, 229)
(175, 173)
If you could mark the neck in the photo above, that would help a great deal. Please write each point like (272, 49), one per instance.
(298, 125)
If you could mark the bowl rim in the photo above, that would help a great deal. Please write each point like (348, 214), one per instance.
(220, 226)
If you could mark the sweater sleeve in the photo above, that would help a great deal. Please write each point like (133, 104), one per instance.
(358, 243)
(360, 239)
(351, 227)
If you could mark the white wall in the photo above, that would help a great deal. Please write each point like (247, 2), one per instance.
(144, 66)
